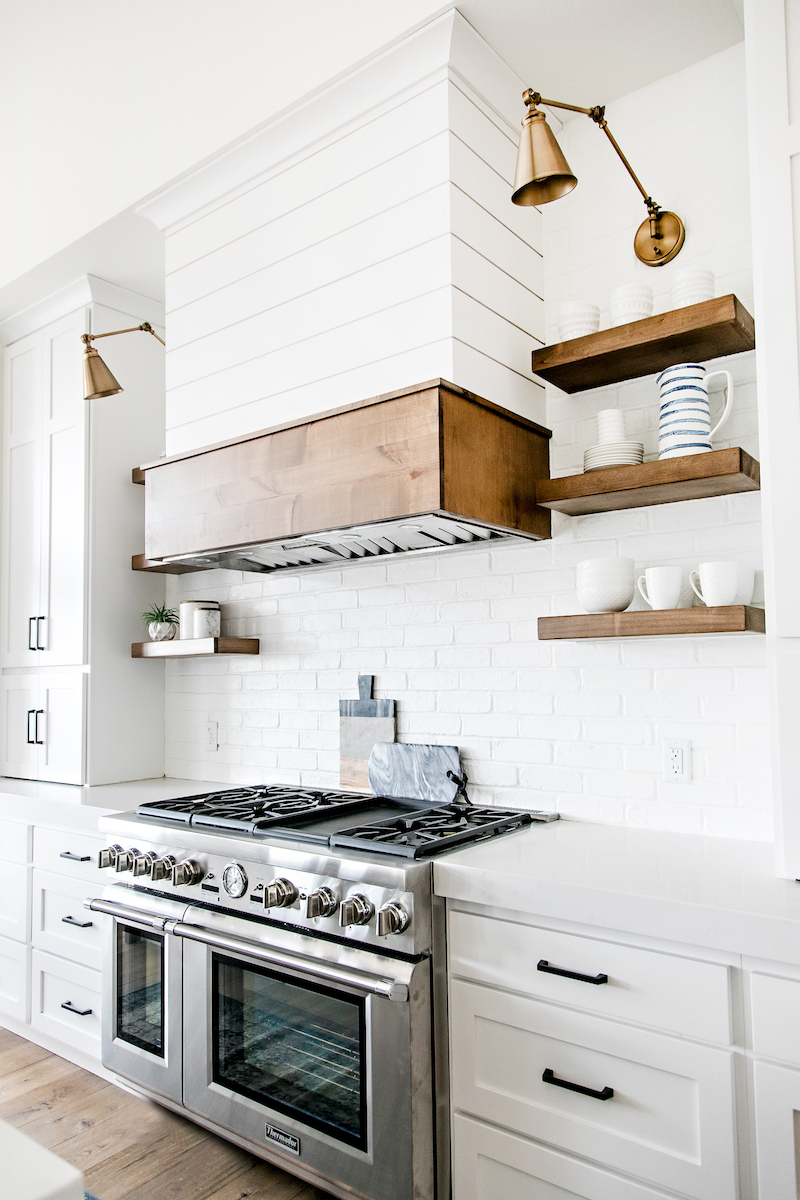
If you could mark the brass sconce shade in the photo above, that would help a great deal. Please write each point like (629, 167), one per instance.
(97, 379)
(543, 175)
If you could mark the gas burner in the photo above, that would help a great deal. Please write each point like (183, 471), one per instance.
(247, 810)
(434, 830)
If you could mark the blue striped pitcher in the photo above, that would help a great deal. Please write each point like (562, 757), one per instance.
(684, 421)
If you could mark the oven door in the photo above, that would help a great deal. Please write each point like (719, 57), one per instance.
(142, 994)
(312, 1051)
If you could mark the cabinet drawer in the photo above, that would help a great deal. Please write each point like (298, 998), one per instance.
(15, 901)
(15, 842)
(65, 1001)
(61, 925)
(679, 995)
(491, 1164)
(14, 979)
(669, 1120)
(777, 1105)
(67, 852)
(776, 1017)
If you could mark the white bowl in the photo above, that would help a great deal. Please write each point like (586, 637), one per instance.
(631, 302)
(692, 285)
(577, 318)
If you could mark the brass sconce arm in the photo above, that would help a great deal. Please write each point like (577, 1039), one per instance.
(97, 379)
(146, 327)
(657, 240)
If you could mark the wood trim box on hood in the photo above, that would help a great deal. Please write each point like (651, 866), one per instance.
(429, 465)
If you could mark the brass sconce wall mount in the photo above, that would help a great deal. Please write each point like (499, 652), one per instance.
(97, 379)
(543, 174)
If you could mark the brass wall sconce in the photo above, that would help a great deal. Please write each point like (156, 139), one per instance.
(97, 379)
(543, 174)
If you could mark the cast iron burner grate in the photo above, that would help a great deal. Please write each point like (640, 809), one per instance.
(246, 810)
(433, 831)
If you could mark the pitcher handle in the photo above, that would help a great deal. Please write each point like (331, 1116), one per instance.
(728, 399)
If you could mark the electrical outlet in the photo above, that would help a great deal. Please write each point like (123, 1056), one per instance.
(212, 736)
(678, 760)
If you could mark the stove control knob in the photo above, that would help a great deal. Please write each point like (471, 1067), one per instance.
(280, 893)
(355, 910)
(124, 859)
(187, 871)
(392, 918)
(322, 903)
(161, 868)
(143, 863)
(108, 856)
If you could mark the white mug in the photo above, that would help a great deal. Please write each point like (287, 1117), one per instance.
(605, 584)
(660, 587)
(717, 583)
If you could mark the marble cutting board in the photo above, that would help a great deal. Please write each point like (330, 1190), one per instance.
(362, 723)
(406, 769)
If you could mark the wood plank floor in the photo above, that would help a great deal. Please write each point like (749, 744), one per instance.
(128, 1148)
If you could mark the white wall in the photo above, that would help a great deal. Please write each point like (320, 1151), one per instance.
(573, 726)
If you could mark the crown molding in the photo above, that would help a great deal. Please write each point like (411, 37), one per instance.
(88, 289)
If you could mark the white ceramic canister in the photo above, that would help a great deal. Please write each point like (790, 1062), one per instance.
(186, 612)
(684, 420)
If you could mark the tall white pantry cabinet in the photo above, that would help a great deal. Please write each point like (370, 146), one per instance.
(75, 707)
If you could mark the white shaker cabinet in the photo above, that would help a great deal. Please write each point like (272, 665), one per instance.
(76, 707)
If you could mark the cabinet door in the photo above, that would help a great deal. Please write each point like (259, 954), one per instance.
(20, 700)
(15, 976)
(777, 1102)
(61, 699)
(22, 492)
(63, 474)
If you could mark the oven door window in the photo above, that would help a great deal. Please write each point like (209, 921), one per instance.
(294, 1046)
(140, 989)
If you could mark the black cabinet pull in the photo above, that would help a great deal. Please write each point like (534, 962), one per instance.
(549, 1077)
(39, 712)
(77, 924)
(31, 711)
(74, 857)
(39, 645)
(544, 965)
(79, 1012)
(30, 633)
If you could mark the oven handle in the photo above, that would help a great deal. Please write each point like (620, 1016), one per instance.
(379, 985)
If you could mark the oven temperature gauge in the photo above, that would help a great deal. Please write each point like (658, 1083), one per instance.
(234, 880)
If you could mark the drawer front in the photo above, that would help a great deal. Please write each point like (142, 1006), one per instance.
(669, 1120)
(777, 1105)
(15, 901)
(14, 979)
(67, 852)
(15, 842)
(65, 1001)
(776, 1017)
(492, 1164)
(663, 991)
(61, 925)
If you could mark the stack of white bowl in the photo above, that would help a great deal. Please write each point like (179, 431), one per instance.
(613, 449)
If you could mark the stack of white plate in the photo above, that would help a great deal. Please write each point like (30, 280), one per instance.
(613, 454)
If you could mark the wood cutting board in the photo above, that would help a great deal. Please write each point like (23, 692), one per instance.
(362, 723)
(407, 769)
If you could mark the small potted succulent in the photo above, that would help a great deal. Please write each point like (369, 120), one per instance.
(161, 622)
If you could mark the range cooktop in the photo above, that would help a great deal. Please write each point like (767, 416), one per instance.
(307, 816)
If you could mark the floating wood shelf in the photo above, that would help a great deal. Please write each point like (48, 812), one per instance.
(195, 647)
(733, 618)
(692, 477)
(692, 334)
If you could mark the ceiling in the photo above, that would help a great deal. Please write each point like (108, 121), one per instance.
(581, 51)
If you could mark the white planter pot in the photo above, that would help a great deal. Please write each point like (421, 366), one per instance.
(162, 631)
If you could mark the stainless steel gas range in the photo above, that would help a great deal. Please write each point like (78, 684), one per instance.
(274, 968)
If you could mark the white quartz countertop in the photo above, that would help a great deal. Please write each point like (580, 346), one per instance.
(79, 807)
(702, 891)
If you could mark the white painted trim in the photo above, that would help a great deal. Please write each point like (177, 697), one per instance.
(88, 289)
(447, 44)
